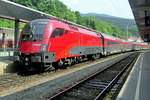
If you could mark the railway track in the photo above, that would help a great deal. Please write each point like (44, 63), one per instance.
(96, 86)
(15, 80)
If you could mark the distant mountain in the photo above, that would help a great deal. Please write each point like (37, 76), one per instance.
(114, 20)
(117, 21)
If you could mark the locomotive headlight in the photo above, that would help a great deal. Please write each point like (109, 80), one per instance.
(26, 59)
(43, 47)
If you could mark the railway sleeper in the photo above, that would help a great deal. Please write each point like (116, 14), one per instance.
(99, 82)
(72, 97)
(81, 94)
(99, 88)
(90, 89)
(98, 85)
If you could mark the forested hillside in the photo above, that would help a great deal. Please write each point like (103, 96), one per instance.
(57, 8)
(117, 21)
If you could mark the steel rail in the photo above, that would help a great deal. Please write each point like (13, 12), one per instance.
(61, 93)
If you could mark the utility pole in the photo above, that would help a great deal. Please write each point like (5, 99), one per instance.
(127, 30)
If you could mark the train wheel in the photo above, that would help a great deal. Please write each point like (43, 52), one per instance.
(98, 56)
(105, 53)
(91, 57)
(74, 60)
(60, 63)
(78, 59)
(94, 57)
(71, 61)
(101, 55)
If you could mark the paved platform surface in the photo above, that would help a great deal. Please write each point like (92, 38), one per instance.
(6, 66)
(6, 61)
(137, 86)
(53, 83)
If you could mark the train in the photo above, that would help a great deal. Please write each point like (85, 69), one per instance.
(48, 43)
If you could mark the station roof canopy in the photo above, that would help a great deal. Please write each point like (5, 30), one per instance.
(11, 10)
(141, 10)
(14, 11)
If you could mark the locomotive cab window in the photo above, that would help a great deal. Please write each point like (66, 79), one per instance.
(57, 32)
(34, 30)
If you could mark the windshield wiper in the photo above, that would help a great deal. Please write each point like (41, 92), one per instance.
(34, 38)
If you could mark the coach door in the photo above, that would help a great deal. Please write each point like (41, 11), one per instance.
(102, 42)
(57, 44)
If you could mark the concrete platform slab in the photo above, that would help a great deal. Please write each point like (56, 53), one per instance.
(47, 86)
(137, 85)
(6, 66)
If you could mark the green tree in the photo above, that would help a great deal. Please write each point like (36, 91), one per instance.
(60, 10)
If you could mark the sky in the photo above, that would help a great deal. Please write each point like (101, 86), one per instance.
(118, 8)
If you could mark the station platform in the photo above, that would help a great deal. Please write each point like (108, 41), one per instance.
(6, 66)
(6, 62)
(137, 85)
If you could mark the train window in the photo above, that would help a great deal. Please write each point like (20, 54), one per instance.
(34, 30)
(57, 32)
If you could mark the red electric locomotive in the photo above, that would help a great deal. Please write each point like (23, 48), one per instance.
(48, 41)
(44, 42)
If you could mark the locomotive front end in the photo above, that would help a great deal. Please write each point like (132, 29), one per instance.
(33, 44)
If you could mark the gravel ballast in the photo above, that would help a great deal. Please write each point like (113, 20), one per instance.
(49, 86)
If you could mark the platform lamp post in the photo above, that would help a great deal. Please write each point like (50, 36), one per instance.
(127, 30)
(3, 40)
